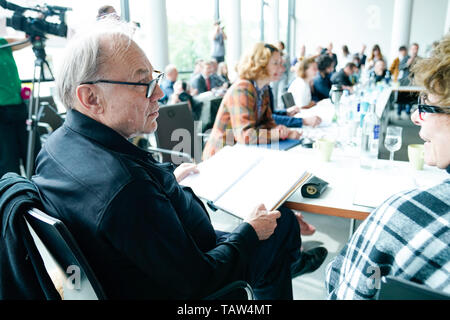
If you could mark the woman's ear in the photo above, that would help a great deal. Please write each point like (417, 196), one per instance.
(89, 97)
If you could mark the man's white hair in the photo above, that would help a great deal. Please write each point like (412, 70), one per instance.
(87, 52)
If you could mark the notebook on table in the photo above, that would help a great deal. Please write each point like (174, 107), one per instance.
(237, 179)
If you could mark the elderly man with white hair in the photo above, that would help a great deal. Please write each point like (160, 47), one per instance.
(144, 235)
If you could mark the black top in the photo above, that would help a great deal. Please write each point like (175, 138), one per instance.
(322, 87)
(144, 235)
(341, 78)
(22, 271)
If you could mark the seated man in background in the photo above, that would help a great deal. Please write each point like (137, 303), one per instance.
(344, 76)
(145, 236)
(407, 236)
(322, 81)
(171, 74)
(203, 81)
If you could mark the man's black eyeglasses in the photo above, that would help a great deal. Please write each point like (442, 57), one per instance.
(150, 86)
(426, 108)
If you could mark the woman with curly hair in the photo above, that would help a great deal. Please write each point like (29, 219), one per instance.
(408, 235)
(244, 115)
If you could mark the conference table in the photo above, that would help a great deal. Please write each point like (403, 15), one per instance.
(354, 192)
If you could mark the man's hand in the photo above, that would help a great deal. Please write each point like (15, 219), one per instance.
(185, 169)
(313, 121)
(264, 222)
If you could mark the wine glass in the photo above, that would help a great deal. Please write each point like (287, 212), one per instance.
(393, 141)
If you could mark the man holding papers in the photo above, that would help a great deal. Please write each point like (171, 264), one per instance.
(407, 236)
(145, 236)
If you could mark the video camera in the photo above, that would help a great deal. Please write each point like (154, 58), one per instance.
(37, 26)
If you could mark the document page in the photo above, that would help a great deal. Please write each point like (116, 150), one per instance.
(375, 186)
(221, 171)
(268, 182)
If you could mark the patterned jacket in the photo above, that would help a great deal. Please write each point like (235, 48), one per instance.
(238, 119)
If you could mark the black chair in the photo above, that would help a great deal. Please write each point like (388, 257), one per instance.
(238, 290)
(176, 130)
(393, 288)
(79, 281)
(48, 113)
(288, 100)
(55, 242)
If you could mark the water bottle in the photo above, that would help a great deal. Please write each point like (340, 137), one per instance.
(387, 77)
(370, 138)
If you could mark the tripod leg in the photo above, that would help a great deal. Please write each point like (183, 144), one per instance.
(32, 121)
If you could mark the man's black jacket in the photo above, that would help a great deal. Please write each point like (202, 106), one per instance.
(143, 234)
(22, 271)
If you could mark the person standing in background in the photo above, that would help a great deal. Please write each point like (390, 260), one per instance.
(13, 111)
(413, 58)
(218, 42)
(402, 58)
(362, 56)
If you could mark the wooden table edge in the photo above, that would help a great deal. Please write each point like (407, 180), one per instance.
(343, 213)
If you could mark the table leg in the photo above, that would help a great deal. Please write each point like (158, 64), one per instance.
(352, 228)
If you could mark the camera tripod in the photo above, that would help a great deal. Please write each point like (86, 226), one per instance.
(34, 111)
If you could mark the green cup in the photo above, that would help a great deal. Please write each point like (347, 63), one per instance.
(416, 156)
(325, 148)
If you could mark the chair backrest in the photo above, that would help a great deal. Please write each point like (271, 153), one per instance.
(288, 100)
(393, 288)
(176, 132)
(49, 112)
(55, 242)
(208, 111)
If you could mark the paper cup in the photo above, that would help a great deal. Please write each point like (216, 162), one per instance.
(415, 155)
(325, 148)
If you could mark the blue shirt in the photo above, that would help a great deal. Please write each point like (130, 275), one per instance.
(167, 89)
(322, 87)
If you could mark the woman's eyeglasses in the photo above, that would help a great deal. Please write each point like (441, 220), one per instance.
(426, 108)
(150, 85)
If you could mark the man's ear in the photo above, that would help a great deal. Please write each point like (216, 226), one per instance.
(89, 98)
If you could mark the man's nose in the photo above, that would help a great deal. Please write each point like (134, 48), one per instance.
(157, 93)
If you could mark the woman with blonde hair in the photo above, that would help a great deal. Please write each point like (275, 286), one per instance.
(245, 115)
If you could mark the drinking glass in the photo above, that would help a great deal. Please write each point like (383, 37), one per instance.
(393, 141)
